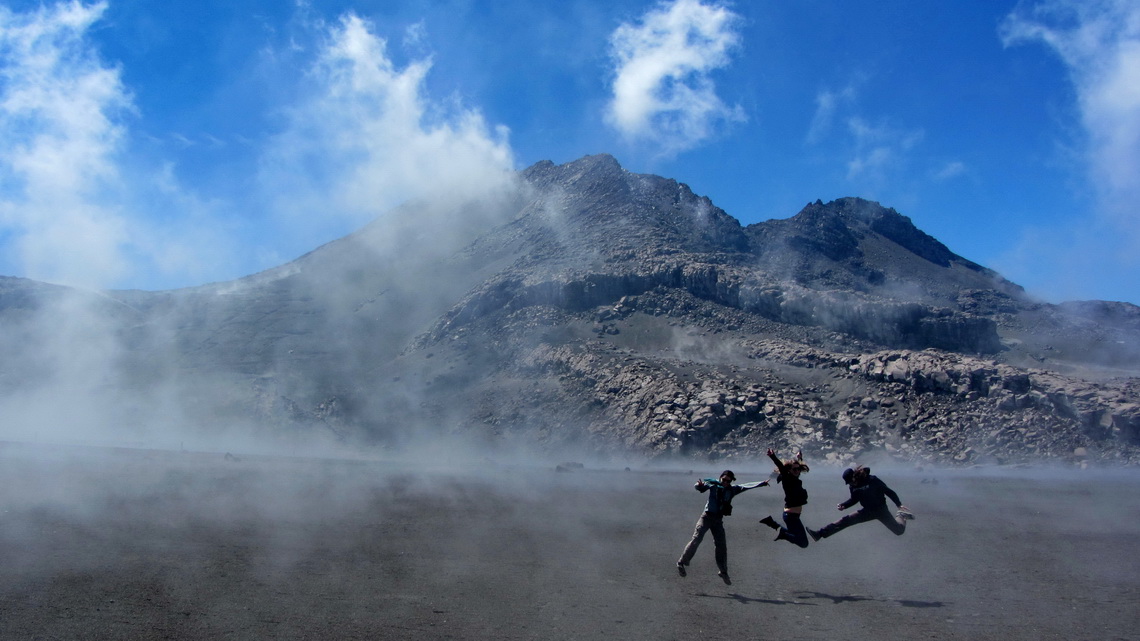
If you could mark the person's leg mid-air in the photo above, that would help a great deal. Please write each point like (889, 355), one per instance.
(703, 525)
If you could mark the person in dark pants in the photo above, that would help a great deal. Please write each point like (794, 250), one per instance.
(871, 494)
(718, 506)
(795, 497)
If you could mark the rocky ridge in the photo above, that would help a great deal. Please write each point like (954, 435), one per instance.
(622, 314)
(914, 405)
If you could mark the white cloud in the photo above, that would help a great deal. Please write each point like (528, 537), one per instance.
(367, 138)
(878, 150)
(952, 169)
(662, 91)
(59, 135)
(1099, 42)
(827, 104)
(74, 209)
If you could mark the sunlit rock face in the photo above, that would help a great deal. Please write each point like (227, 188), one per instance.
(599, 309)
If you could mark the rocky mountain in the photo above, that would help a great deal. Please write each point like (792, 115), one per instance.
(615, 312)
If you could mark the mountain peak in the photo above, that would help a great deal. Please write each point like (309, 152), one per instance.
(859, 216)
(622, 211)
(609, 309)
(594, 166)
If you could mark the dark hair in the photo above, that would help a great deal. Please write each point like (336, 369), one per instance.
(728, 472)
(856, 475)
(796, 464)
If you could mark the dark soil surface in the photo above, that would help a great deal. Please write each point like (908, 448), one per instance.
(131, 544)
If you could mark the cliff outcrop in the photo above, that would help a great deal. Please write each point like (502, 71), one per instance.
(615, 312)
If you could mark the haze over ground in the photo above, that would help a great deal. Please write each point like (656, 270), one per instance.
(130, 544)
(166, 145)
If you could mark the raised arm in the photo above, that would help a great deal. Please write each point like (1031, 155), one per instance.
(777, 461)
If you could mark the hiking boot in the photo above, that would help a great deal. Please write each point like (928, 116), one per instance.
(681, 569)
(724, 577)
(905, 515)
(770, 522)
(814, 534)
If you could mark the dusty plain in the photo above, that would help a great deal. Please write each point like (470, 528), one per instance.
(100, 543)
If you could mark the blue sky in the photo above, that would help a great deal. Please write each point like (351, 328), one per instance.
(164, 144)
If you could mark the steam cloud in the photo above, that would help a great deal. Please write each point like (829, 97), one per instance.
(366, 139)
(78, 196)
(77, 202)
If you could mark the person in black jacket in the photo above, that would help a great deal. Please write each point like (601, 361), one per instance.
(871, 494)
(718, 506)
(795, 497)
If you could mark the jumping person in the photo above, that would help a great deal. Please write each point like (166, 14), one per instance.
(795, 497)
(871, 494)
(718, 506)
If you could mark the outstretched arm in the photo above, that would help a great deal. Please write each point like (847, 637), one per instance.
(776, 460)
(703, 485)
(849, 502)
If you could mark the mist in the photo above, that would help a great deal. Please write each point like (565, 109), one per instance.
(226, 547)
(361, 149)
